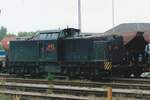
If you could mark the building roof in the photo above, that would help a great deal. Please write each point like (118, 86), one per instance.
(130, 27)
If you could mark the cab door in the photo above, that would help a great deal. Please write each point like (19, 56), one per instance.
(99, 48)
(49, 51)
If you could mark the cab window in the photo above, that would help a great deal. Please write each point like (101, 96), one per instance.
(42, 36)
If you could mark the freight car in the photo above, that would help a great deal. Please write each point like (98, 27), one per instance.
(136, 41)
(65, 52)
(136, 54)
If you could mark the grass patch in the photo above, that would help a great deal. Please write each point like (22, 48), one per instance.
(5, 97)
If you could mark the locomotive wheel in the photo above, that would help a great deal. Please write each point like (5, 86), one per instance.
(137, 71)
(137, 74)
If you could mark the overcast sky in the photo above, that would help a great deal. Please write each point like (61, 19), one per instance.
(32, 15)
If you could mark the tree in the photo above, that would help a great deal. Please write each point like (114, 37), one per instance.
(3, 32)
(10, 34)
(1, 47)
(23, 34)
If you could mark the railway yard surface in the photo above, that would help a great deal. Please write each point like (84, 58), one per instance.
(42, 89)
(92, 66)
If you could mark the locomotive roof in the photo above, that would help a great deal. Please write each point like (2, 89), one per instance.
(89, 35)
(49, 31)
(76, 36)
(57, 30)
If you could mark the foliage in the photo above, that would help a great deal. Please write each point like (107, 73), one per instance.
(23, 34)
(10, 34)
(1, 47)
(3, 32)
(50, 76)
(5, 97)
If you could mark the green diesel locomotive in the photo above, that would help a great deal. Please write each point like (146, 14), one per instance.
(65, 52)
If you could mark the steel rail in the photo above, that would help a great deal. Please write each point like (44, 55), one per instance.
(75, 90)
(42, 95)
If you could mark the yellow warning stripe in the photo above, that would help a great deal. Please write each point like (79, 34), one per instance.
(107, 65)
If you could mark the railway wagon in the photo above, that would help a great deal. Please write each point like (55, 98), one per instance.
(136, 53)
(136, 41)
(65, 52)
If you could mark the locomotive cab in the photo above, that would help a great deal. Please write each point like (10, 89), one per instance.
(116, 50)
(69, 32)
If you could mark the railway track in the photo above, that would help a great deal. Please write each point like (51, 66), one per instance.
(136, 84)
(21, 95)
(105, 79)
(129, 80)
(138, 88)
(73, 90)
